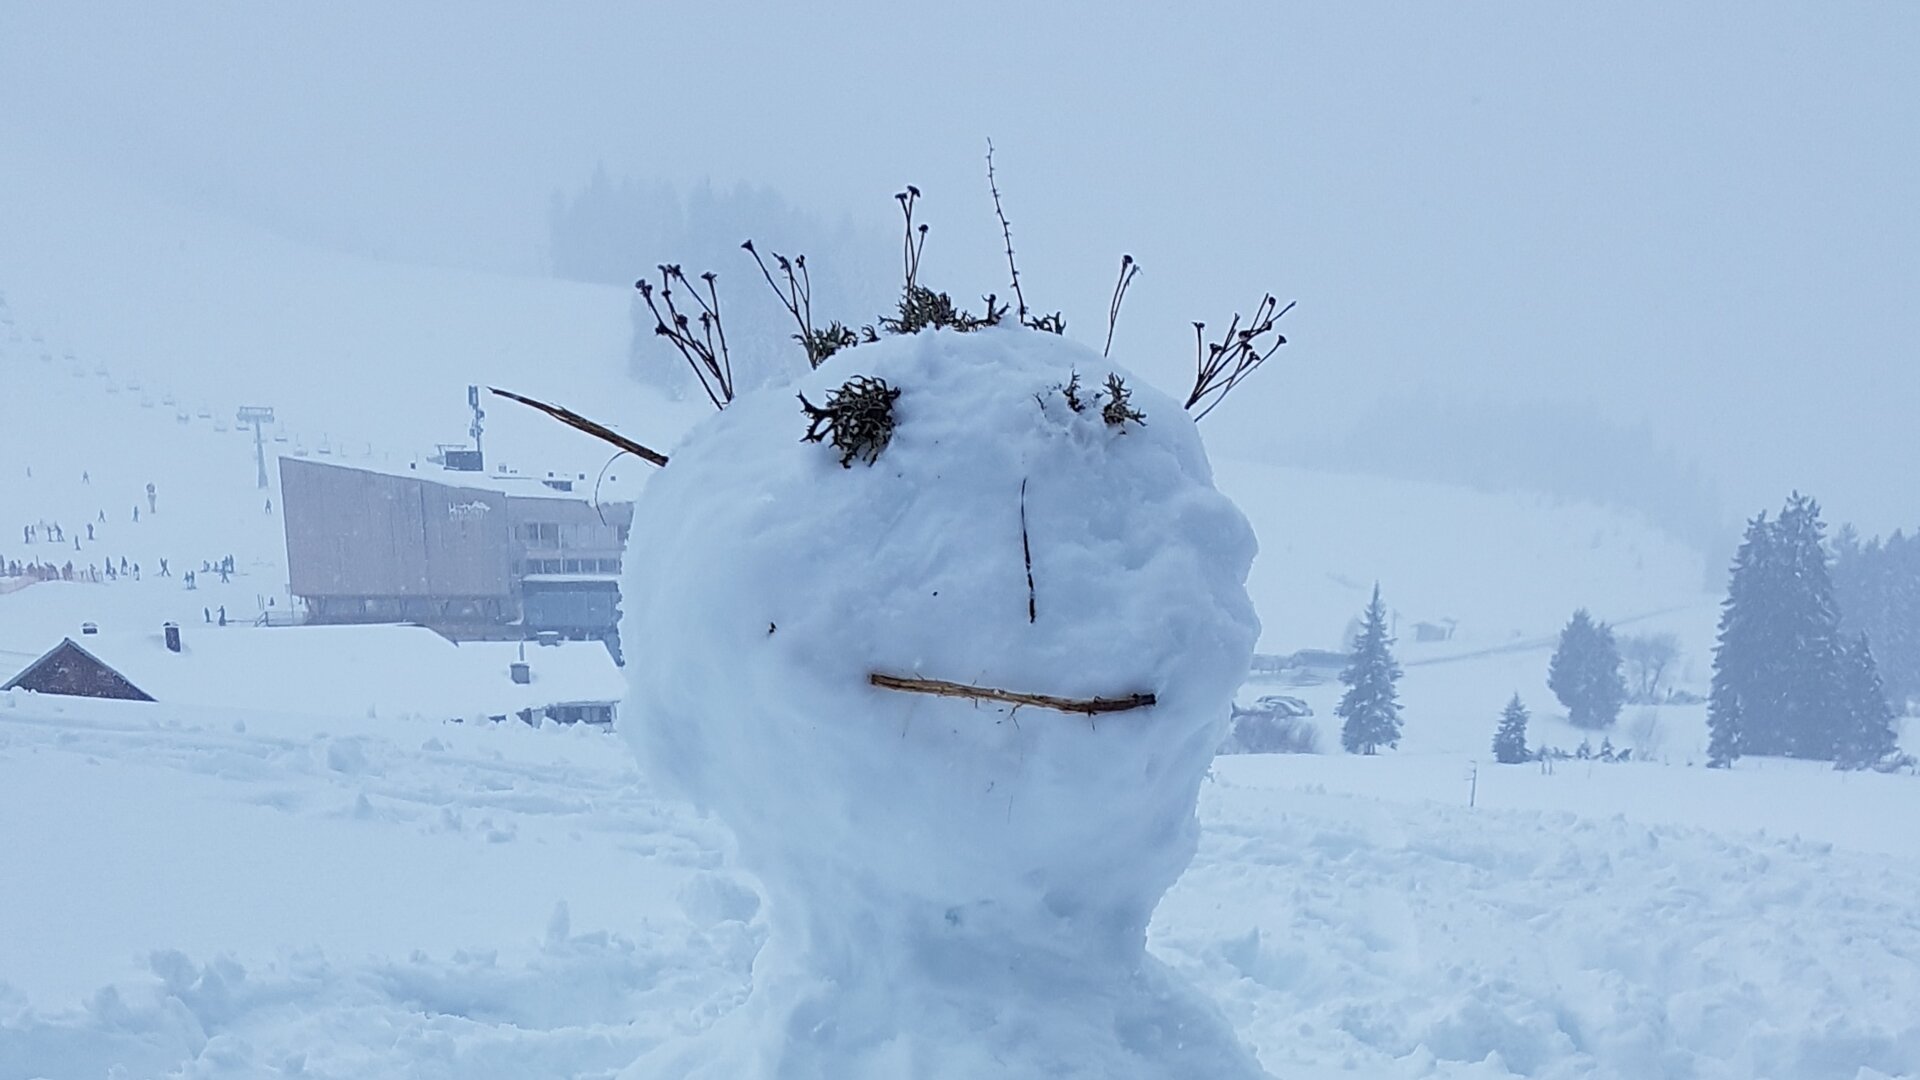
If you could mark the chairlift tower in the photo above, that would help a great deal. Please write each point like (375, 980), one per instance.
(257, 415)
(479, 414)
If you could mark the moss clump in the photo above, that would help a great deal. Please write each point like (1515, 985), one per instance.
(857, 418)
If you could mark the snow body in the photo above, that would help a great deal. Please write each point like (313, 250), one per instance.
(955, 888)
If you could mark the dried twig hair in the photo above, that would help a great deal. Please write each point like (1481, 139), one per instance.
(706, 350)
(1128, 268)
(1223, 365)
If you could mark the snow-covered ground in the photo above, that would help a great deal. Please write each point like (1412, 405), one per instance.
(244, 897)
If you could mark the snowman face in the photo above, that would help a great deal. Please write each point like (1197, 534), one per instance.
(998, 537)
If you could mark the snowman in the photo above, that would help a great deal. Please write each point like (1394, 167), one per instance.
(948, 644)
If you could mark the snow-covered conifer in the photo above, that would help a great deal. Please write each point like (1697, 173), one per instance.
(1738, 655)
(1776, 680)
(1510, 742)
(1585, 673)
(1371, 705)
(1866, 728)
(1811, 702)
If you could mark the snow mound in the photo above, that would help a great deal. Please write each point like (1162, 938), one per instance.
(955, 888)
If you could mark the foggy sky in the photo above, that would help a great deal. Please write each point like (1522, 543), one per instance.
(1700, 217)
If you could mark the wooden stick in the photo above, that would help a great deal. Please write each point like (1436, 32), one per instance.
(1026, 549)
(942, 688)
(599, 431)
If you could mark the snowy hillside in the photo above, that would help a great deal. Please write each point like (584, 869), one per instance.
(137, 299)
(1502, 568)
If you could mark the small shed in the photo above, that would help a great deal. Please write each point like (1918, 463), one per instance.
(315, 670)
(69, 668)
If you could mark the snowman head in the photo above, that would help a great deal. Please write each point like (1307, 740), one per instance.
(1009, 529)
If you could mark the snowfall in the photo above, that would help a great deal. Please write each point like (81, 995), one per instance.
(274, 887)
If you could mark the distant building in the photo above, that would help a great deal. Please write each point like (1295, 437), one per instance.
(565, 682)
(334, 671)
(470, 555)
(73, 671)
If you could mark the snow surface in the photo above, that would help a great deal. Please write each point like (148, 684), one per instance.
(955, 889)
(445, 901)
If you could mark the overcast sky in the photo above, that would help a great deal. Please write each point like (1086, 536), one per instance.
(1699, 216)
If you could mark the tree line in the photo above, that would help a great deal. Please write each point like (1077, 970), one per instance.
(1817, 644)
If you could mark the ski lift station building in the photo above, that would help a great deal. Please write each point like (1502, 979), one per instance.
(472, 555)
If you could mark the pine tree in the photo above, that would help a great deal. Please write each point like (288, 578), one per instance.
(1585, 673)
(1777, 668)
(1737, 655)
(1876, 586)
(1371, 706)
(1866, 733)
(1510, 742)
(1811, 706)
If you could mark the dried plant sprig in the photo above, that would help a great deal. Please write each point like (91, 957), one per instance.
(916, 242)
(796, 295)
(1128, 268)
(1006, 233)
(1220, 366)
(921, 307)
(706, 350)
(1119, 407)
(1052, 324)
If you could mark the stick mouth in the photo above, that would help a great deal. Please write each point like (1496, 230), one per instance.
(1093, 706)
